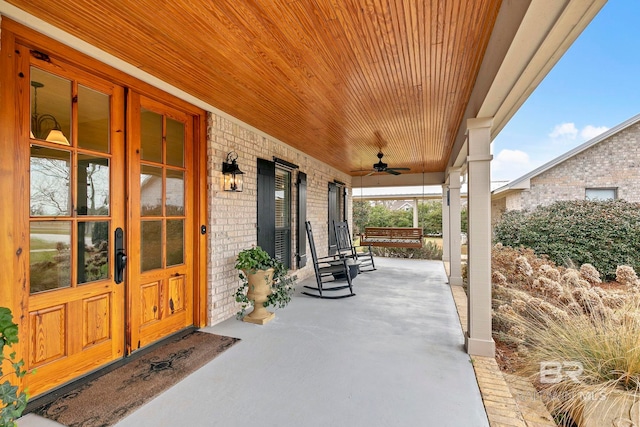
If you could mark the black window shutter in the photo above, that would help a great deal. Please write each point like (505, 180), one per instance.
(266, 206)
(302, 217)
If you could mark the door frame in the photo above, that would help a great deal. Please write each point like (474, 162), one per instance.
(14, 241)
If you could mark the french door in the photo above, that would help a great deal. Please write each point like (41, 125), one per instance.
(109, 206)
(160, 294)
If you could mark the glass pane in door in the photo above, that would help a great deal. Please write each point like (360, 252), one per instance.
(93, 185)
(175, 242)
(93, 120)
(50, 182)
(151, 245)
(150, 191)
(50, 107)
(151, 136)
(49, 255)
(175, 193)
(93, 247)
(175, 143)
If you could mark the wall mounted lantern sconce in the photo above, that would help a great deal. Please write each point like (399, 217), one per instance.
(232, 173)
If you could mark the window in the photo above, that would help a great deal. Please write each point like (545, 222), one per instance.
(283, 216)
(274, 210)
(601, 194)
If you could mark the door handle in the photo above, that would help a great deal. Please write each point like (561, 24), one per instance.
(120, 256)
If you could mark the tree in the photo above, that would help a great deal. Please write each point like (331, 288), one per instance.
(380, 215)
(464, 220)
(360, 216)
(430, 217)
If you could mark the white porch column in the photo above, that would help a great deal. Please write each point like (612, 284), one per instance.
(455, 257)
(478, 340)
(415, 213)
(446, 244)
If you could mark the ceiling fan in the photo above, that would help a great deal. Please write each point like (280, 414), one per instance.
(382, 167)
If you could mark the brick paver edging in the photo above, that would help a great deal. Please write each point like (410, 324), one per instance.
(511, 404)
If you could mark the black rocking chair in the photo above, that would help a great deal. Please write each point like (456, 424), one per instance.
(330, 269)
(345, 247)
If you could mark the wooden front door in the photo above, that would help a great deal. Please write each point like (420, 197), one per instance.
(160, 291)
(74, 146)
(104, 192)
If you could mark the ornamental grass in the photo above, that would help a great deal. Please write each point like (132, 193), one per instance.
(577, 341)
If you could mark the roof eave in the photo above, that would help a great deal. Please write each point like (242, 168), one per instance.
(524, 181)
(528, 40)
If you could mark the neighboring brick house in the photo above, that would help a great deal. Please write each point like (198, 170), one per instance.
(605, 167)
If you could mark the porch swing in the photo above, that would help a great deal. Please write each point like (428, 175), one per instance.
(393, 237)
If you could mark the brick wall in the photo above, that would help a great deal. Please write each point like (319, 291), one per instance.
(612, 163)
(233, 216)
(514, 201)
(506, 202)
(498, 206)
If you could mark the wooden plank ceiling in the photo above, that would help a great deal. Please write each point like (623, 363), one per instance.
(339, 80)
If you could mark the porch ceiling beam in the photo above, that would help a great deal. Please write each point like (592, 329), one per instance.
(387, 180)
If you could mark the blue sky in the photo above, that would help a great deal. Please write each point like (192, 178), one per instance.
(595, 86)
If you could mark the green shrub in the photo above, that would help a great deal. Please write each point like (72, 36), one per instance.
(602, 233)
(12, 400)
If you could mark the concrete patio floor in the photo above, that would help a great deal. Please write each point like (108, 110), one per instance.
(390, 356)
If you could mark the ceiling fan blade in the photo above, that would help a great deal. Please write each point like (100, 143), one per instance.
(392, 172)
(400, 169)
(370, 173)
